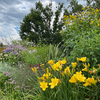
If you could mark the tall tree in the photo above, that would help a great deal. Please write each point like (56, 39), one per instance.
(39, 24)
(74, 6)
(93, 3)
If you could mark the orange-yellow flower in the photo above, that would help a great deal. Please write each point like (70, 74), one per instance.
(54, 82)
(90, 71)
(99, 65)
(43, 85)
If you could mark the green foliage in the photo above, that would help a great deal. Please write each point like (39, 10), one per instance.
(1, 44)
(88, 46)
(93, 3)
(81, 36)
(37, 24)
(74, 6)
(40, 54)
(3, 79)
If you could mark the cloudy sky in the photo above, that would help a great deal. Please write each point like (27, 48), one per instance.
(12, 13)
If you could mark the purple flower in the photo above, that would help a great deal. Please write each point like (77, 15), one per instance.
(10, 79)
(7, 50)
(30, 51)
(34, 50)
(12, 82)
(7, 73)
(17, 87)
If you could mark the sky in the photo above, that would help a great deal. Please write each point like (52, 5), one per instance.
(12, 13)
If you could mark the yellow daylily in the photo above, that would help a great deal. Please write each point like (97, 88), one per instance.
(54, 82)
(90, 81)
(83, 59)
(74, 64)
(50, 62)
(43, 85)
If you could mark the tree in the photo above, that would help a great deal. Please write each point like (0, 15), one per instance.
(74, 6)
(38, 24)
(93, 3)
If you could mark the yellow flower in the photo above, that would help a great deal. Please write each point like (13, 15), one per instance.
(96, 19)
(97, 10)
(77, 77)
(73, 79)
(74, 64)
(54, 82)
(43, 78)
(87, 7)
(50, 62)
(88, 65)
(32, 48)
(77, 13)
(90, 81)
(91, 12)
(62, 61)
(82, 13)
(78, 59)
(98, 24)
(83, 8)
(92, 9)
(47, 71)
(85, 69)
(34, 69)
(87, 12)
(43, 85)
(67, 70)
(92, 22)
(27, 38)
(47, 75)
(42, 65)
(57, 66)
(83, 59)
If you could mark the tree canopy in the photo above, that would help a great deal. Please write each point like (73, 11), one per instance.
(39, 24)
